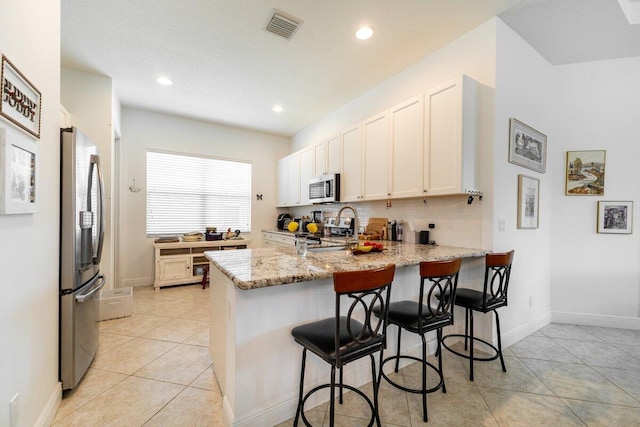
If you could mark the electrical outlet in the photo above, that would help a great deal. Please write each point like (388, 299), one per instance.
(14, 410)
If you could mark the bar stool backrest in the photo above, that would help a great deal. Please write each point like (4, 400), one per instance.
(443, 279)
(365, 290)
(496, 279)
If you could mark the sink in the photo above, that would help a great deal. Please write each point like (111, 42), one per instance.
(327, 248)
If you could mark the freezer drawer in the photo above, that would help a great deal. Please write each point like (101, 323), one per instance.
(79, 333)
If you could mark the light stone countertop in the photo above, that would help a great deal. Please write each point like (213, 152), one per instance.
(279, 265)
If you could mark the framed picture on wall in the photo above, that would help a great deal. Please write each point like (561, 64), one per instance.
(527, 146)
(585, 173)
(18, 163)
(615, 217)
(528, 201)
(20, 100)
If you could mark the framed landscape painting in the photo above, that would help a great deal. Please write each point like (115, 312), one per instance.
(615, 217)
(527, 146)
(585, 173)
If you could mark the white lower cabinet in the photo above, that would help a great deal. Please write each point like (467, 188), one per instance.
(278, 238)
(184, 262)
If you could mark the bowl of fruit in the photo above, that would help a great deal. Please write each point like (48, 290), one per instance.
(367, 247)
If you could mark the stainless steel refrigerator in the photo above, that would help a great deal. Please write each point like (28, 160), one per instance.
(81, 238)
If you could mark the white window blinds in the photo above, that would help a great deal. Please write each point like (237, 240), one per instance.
(189, 193)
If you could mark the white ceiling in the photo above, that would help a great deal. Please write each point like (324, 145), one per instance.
(227, 68)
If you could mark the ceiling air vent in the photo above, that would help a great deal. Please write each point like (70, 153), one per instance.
(282, 24)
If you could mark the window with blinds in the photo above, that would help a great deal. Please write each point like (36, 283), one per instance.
(190, 193)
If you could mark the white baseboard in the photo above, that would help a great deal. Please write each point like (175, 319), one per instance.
(139, 281)
(596, 320)
(49, 411)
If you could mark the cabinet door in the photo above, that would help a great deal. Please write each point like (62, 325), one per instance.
(294, 179)
(443, 139)
(306, 173)
(283, 182)
(174, 268)
(351, 170)
(407, 158)
(334, 154)
(375, 148)
(320, 154)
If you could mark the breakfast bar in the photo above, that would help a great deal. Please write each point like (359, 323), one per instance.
(258, 295)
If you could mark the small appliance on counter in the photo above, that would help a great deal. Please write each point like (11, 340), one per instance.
(332, 228)
(283, 221)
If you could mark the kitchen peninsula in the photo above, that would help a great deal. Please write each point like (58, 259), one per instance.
(258, 295)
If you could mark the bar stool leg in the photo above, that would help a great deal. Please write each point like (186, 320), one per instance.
(466, 327)
(439, 356)
(341, 385)
(504, 368)
(332, 405)
(398, 353)
(471, 348)
(376, 387)
(424, 379)
(299, 410)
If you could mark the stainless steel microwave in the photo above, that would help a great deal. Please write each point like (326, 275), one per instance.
(325, 188)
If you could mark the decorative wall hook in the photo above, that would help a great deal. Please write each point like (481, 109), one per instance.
(259, 196)
(133, 187)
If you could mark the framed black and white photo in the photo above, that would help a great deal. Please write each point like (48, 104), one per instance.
(615, 217)
(20, 101)
(527, 146)
(528, 201)
(18, 163)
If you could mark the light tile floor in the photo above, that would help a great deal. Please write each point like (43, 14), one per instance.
(154, 369)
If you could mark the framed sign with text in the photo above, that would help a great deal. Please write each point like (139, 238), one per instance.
(20, 100)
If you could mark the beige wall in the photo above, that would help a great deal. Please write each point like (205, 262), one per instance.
(30, 38)
(142, 130)
(89, 100)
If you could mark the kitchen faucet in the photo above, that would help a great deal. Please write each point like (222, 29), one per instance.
(355, 220)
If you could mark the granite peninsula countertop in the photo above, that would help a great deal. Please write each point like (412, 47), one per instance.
(279, 265)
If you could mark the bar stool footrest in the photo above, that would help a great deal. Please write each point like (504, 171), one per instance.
(467, 356)
(337, 386)
(413, 390)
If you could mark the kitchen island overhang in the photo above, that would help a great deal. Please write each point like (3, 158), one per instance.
(258, 295)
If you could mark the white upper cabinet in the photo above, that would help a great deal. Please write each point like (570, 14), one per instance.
(288, 173)
(283, 182)
(334, 154)
(327, 156)
(294, 179)
(351, 170)
(424, 146)
(407, 146)
(450, 138)
(320, 163)
(375, 157)
(307, 166)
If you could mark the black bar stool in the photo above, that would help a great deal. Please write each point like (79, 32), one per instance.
(343, 339)
(427, 314)
(492, 297)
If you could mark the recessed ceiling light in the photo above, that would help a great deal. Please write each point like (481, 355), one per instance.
(364, 33)
(277, 108)
(164, 81)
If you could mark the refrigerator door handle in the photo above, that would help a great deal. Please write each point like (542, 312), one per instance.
(95, 160)
(84, 297)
